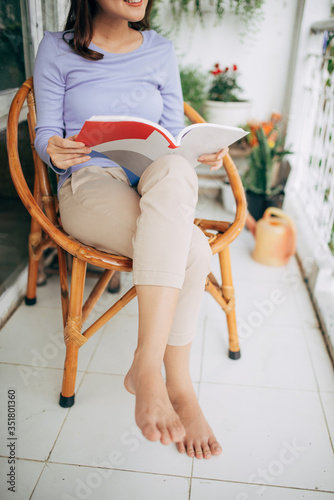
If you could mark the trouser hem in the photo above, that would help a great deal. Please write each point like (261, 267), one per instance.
(176, 339)
(158, 278)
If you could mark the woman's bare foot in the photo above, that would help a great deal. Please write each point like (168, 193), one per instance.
(199, 441)
(154, 413)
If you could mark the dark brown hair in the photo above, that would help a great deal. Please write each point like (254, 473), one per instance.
(80, 23)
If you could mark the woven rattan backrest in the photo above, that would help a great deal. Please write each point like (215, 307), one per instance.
(42, 182)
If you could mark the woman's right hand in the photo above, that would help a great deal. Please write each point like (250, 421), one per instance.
(65, 153)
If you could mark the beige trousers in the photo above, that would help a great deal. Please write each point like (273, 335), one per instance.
(152, 224)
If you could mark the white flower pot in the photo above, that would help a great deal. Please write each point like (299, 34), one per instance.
(234, 114)
(228, 199)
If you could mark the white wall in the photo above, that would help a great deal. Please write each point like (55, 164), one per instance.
(262, 55)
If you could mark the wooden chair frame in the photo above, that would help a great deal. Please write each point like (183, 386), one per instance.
(46, 231)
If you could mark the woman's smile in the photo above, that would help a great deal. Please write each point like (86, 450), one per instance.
(134, 3)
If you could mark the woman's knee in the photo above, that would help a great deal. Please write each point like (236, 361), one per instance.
(180, 166)
(173, 169)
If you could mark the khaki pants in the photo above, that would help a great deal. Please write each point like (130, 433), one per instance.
(152, 224)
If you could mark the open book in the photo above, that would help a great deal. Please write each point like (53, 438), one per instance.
(134, 143)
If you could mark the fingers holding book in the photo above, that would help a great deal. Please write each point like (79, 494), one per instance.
(65, 153)
(215, 160)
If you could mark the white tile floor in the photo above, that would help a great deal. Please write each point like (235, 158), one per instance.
(272, 410)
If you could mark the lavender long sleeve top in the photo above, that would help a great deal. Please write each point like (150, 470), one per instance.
(70, 89)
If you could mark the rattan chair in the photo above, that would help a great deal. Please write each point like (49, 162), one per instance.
(46, 231)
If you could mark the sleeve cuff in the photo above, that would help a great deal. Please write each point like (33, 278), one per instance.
(58, 171)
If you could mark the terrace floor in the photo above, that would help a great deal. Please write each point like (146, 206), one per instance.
(272, 410)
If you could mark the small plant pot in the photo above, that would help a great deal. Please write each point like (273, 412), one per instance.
(256, 203)
(232, 114)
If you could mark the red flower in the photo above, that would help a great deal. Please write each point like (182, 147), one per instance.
(235, 67)
(217, 70)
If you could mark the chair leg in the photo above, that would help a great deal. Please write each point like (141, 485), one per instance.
(34, 238)
(30, 298)
(228, 295)
(62, 262)
(72, 333)
(66, 399)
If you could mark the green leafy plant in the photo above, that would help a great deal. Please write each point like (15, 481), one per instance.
(246, 10)
(180, 7)
(267, 142)
(194, 87)
(331, 242)
(224, 86)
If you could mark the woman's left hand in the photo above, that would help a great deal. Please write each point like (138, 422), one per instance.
(214, 160)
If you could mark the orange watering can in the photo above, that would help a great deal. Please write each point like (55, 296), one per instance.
(275, 237)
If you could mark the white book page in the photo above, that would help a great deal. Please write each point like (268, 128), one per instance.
(207, 139)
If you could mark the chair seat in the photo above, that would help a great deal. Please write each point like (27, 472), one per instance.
(99, 258)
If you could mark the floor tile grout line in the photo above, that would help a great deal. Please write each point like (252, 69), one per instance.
(283, 487)
(68, 464)
(24, 458)
(326, 422)
(190, 486)
(38, 479)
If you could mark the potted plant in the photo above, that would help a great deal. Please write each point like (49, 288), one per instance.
(261, 178)
(194, 87)
(224, 104)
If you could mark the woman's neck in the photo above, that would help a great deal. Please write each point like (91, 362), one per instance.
(114, 35)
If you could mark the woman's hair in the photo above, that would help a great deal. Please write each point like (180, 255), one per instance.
(80, 23)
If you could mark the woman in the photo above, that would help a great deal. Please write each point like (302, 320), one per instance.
(107, 62)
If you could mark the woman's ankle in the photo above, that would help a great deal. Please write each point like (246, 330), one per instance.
(180, 388)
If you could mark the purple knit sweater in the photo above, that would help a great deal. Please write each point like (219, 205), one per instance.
(69, 89)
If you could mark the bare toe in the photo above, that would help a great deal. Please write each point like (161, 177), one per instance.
(190, 450)
(151, 432)
(199, 441)
(198, 451)
(215, 447)
(206, 451)
(165, 436)
(180, 447)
